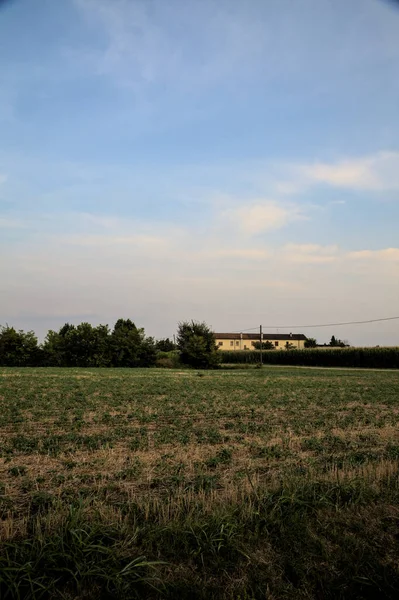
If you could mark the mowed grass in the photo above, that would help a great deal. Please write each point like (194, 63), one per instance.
(270, 483)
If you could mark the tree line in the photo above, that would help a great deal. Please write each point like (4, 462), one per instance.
(126, 345)
(80, 345)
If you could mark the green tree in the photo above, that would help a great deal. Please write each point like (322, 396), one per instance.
(78, 346)
(310, 343)
(87, 346)
(337, 343)
(197, 345)
(147, 355)
(53, 350)
(59, 347)
(18, 348)
(165, 345)
(126, 340)
(130, 346)
(267, 345)
(289, 346)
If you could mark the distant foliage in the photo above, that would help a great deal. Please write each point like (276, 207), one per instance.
(79, 346)
(310, 343)
(268, 345)
(197, 345)
(130, 347)
(165, 345)
(17, 348)
(337, 343)
(377, 358)
(168, 360)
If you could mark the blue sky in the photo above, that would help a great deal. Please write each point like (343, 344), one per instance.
(234, 162)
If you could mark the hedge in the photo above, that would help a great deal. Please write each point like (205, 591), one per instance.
(377, 358)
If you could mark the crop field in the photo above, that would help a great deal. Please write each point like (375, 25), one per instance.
(272, 483)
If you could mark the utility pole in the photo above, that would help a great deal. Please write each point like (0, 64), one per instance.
(261, 339)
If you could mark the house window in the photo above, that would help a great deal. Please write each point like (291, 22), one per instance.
(245, 348)
(237, 343)
(220, 343)
(276, 343)
(231, 343)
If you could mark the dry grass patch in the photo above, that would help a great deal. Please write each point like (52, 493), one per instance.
(210, 474)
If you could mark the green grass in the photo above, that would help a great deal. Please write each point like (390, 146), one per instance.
(257, 483)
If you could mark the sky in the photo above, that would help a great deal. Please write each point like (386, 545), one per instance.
(233, 162)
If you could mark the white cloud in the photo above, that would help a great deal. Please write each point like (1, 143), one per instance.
(317, 254)
(258, 216)
(386, 254)
(136, 241)
(374, 173)
(242, 253)
(309, 253)
(351, 174)
(377, 172)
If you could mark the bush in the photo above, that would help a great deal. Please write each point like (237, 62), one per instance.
(168, 360)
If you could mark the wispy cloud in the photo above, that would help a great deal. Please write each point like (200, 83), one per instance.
(249, 254)
(258, 216)
(139, 242)
(386, 254)
(353, 174)
(213, 144)
(284, 180)
(137, 49)
(197, 42)
(174, 273)
(317, 254)
(146, 44)
(378, 172)
(310, 253)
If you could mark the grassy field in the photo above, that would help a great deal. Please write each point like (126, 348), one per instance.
(270, 483)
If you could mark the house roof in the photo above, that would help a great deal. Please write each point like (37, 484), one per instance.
(255, 336)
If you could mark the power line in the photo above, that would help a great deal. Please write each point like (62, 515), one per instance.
(320, 325)
(333, 324)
